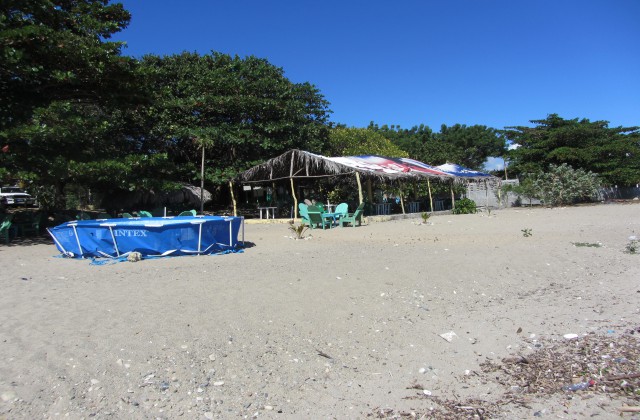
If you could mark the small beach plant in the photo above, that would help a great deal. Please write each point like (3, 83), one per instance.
(299, 230)
(526, 232)
(425, 217)
(633, 247)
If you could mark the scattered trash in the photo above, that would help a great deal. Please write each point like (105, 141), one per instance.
(449, 336)
(134, 257)
(587, 244)
(570, 336)
(579, 386)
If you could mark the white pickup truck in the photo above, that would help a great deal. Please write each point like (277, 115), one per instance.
(15, 196)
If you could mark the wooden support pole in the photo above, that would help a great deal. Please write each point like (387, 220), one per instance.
(233, 199)
(486, 190)
(295, 200)
(401, 198)
(293, 190)
(453, 198)
(360, 196)
(430, 196)
(202, 182)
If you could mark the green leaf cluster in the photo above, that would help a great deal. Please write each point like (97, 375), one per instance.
(353, 141)
(464, 206)
(469, 146)
(612, 153)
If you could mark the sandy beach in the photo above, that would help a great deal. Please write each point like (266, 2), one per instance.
(348, 323)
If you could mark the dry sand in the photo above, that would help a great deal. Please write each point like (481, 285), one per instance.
(340, 325)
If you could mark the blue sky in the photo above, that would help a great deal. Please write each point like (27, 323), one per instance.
(496, 63)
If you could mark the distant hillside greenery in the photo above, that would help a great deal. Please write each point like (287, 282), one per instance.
(77, 114)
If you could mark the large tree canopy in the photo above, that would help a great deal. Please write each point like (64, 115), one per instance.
(243, 111)
(612, 153)
(66, 95)
(75, 111)
(55, 50)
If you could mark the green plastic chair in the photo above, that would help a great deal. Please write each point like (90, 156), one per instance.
(303, 210)
(188, 213)
(4, 230)
(355, 219)
(342, 210)
(315, 207)
(143, 213)
(316, 220)
(127, 215)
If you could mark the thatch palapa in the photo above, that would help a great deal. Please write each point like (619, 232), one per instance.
(301, 164)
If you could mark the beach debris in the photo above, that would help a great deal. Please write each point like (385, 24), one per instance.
(579, 386)
(218, 383)
(416, 385)
(422, 370)
(134, 256)
(519, 330)
(587, 244)
(516, 359)
(570, 336)
(323, 354)
(212, 357)
(629, 409)
(8, 396)
(449, 336)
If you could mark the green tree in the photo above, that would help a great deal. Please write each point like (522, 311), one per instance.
(470, 146)
(64, 91)
(243, 111)
(562, 185)
(353, 141)
(613, 153)
(54, 50)
(466, 145)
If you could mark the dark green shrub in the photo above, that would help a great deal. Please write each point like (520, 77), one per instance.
(464, 206)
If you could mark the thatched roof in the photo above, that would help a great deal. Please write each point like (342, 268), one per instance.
(298, 164)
